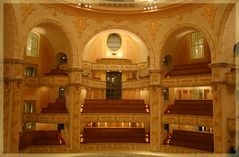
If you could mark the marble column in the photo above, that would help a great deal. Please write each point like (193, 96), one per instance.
(156, 103)
(223, 107)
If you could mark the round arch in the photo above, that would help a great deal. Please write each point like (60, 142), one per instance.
(125, 28)
(227, 38)
(73, 48)
(11, 33)
(176, 28)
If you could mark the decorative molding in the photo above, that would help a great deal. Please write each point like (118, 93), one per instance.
(219, 65)
(12, 60)
(75, 69)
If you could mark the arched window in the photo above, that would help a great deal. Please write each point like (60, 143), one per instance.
(197, 45)
(33, 42)
(30, 72)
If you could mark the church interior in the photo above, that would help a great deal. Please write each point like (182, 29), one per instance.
(120, 75)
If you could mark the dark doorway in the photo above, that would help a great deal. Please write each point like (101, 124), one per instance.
(113, 85)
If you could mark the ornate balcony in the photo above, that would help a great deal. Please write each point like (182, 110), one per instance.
(187, 81)
(46, 117)
(188, 120)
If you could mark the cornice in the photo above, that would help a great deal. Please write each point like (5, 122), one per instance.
(219, 65)
(15, 61)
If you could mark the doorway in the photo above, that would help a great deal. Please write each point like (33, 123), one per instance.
(113, 85)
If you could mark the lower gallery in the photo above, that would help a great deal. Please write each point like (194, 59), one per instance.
(120, 76)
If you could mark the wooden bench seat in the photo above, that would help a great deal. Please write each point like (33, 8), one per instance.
(104, 135)
(58, 107)
(191, 139)
(189, 69)
(40, 138)
(191, 107)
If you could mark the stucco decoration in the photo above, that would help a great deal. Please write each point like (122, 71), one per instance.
(209, 13)
(63, 9)
(80, 25)
(27, 9)
(153, 27)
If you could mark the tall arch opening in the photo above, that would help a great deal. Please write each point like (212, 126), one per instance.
(185, 46)
(122, 56)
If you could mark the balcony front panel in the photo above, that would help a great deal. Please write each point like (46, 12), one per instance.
(181, 150)
(115, 146)
(46, 117)
(47, 149)
(114, 117)
(186, 81)
(136, 84)
(54, 80)
(188, 120)
(112, 67)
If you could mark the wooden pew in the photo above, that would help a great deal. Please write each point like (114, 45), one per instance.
(40, 138)
(191, 139)
(58, 107)
(191, 107)
(104, 135)
(189, 69)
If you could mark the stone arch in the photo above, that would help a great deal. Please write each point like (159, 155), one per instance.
(164, 39)
(11, 33)
(141, 36)
(228, 38)
(73, 48)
